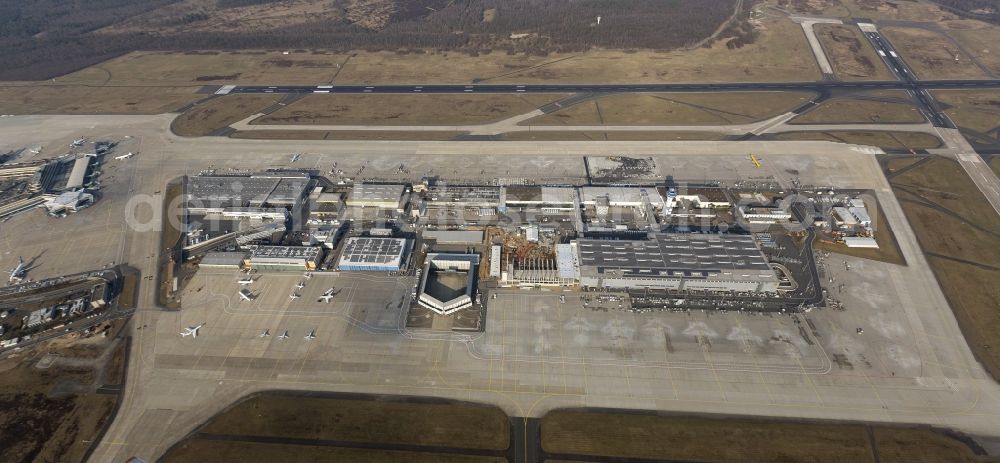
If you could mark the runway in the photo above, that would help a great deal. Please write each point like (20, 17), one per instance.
(817, 86)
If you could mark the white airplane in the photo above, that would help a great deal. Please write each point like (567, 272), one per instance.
(191, 331)
(311, 335)
(246, 295)
(294, 296)
(246, 281)
(562, 299)
(78, 142)
(308, 275)
(327, 295)
(125, 156)
(295, 157)
(90, 155)
(284, 335)
(18, 273)
(300, 285)
(265, 334)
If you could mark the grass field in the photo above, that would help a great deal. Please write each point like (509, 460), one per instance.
(850, 110)
(685, 438)
(882, 139)
(161, 68)
(850, 53)
(931, 55)
(343, 135)
(428, 109)
(219, 112)
(249, 452)
(976, 110)
(542, 135)
(957, 230)
(50, 99)
(675, 108)
(39, 426)
(377, 421)
(978, 39)
(780, 53)
(357, 429)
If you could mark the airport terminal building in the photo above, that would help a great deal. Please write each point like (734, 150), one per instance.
(676, 261)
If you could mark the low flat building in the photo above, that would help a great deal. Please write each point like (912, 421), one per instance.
(378, 196)
(860, 242)
(676, 261)
(373, 254)
(454, 236)
(224, 260)
(285, 258)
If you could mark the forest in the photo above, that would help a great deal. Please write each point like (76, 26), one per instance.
(41, 39)
(985, 10)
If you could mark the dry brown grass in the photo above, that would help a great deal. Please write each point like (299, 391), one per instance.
(977, 110)
(859, 111)
(250, 452)
(701, 439)
(211, 67)
(873, 9)
(51, 99)
(779, 54)
(916, 445)
(542, 135)
(218, 113)
(374, 421)
(39, 427)
(957, 230)
(675, 108)
(850, 53)
(425, 109)
(687, 438)
(931, 55)
(979, 39)
(344, 135)
(882, 139)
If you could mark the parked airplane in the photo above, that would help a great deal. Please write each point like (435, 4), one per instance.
(18, 273)
(265, 334)
(300, 285)
(284, 335)
(327, 295)
(562, 298)
(308, 275)
(294, 296)
(246, 295)
(295, 157)
(90, 155)
(311, 335)
(246, 281)
(78, 142)
(125, 156)
(191, 331)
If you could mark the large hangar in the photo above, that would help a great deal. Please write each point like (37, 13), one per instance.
(677, 261)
